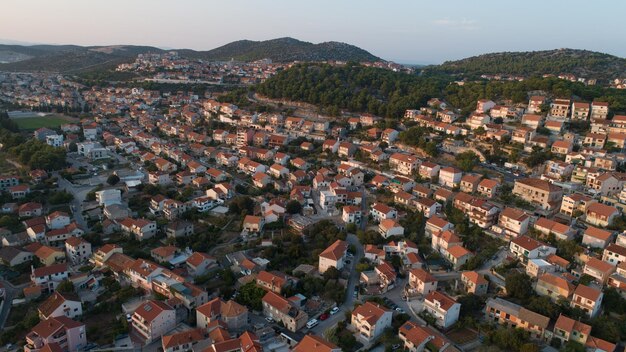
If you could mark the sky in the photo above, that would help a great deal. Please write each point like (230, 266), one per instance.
(411, 31)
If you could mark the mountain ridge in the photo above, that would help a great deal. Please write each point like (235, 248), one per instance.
(579, 62)
(74, 58)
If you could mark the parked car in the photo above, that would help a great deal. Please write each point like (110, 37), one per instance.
(334, 311)
(324, 316)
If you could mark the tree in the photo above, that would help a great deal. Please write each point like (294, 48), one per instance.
(113, 179)
(65, 286)
(241, 204)
(467, 160)
(73, 147)
(293, 207)
(251, 295)
(519, 285)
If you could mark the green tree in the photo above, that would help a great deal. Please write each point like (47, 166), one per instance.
(293, 207)
(113, 179)
(467, 160)
(519, 285)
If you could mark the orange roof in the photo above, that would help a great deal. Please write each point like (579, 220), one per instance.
(568, 324)
(276, 301)
(185, 337)
(474, 277)
(598, 233)
(458, 251)
(314, 343)
(445, 302)
(422, 275)
(587, 292)
(371, 312)
(335, 251)
(151, 309)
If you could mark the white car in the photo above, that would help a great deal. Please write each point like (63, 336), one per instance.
(334, 311)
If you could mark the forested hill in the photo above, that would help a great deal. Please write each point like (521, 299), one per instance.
(284, 50)
(581, 63)
(385, 93)
(352, 87)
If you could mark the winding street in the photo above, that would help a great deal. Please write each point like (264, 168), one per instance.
(11, 292)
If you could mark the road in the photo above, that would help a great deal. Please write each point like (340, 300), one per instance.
(348, 303)
(10, 293)
(79, 193)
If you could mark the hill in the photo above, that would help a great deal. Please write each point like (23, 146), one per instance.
(385, 93)
(67, 58)
(581, 63)
(352, 87)
(74, 59)
(284, 50)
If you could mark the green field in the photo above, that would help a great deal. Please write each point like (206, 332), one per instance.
(33, 123)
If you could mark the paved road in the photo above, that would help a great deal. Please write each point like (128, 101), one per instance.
(10, 293)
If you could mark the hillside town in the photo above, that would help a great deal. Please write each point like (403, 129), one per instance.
(184, 223)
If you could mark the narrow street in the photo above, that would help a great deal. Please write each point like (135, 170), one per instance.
(11, 292)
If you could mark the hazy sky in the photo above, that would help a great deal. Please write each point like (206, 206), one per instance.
(411, 31)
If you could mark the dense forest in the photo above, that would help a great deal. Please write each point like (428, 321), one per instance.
(352, 87)
(388, 94)
(582, 63)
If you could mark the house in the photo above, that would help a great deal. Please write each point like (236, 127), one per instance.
(108, 197)
(153, 319)
(567, 329)
(547, 227)
(77, 249)
(562, 147)
(370, 320)
(507, 313)
(60, 305)
(532, 121)
(450, 176)
(62, 332)
(575, 203)
(351, 214)
(598, 269)
(554, 286)
(179, 228)
(488, 188)
(390, 227)
(314, 343)
(474, 282)
(404, 164)
(274, 282)
(443, 308)
(560, 108)
(19, 191)
(30, 209)
(514, 222)
(427, 206)
(282, 310)
(525, 248)
(141, 228)
(333, 256)
(57, 220)
(418, 338)
(588, 299)
(105, 252)
(436, 224)
(12, 256)
(253, 224)
(539, 192)
(421, 282)
(199, 263)
(614, 254)
(429, 170)
(230, 312)
(601, 214)
(184, 340)
(443, 240)
(49, 277)
(458, 255)
(596, 238)
(380, 212)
